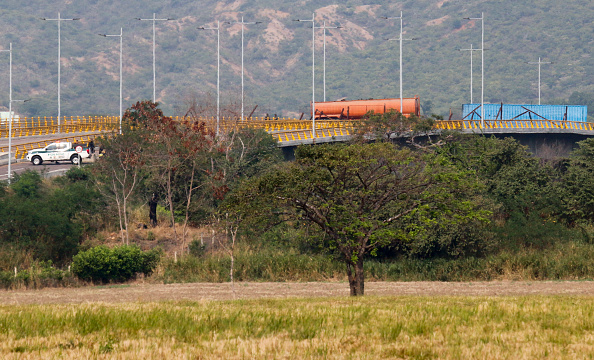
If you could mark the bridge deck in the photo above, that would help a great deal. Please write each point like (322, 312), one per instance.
(288, 132)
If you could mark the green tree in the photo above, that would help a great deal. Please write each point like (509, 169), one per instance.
(583, 98)
(363, 197)
(512, 176)
(577, 185)
(37, 220)
(392, 124)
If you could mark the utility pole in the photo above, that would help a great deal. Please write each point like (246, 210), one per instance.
(400, 39)
(472, 50)
(121, 57)
(539, 65)
(154, 19)
(324, 27)
(59, 21)
(482, 19)
(218, 29)
(313, 72)
(243, 23)
(10, 115)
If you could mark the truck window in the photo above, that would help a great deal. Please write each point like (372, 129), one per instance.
(51, 147)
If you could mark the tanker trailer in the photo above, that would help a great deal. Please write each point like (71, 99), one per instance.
(356, 109)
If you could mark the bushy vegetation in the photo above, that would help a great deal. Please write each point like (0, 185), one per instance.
(102, 264)
(450, 208)
(46, 221)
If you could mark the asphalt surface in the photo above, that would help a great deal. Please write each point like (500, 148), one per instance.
(30, 139)
(47, 169)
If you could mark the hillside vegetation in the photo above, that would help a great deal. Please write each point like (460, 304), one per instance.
(360, 62)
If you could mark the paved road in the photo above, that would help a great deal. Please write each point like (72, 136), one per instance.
(48, 169)
(30, 139)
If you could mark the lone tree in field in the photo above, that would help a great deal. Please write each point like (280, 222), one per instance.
(363, 197)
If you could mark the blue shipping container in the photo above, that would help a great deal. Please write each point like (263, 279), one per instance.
(526, 112)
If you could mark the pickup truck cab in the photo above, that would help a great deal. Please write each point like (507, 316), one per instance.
(58, 151)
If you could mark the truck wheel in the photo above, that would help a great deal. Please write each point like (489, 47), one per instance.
(74, 159)
(37, 160)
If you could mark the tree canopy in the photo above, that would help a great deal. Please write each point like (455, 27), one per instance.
(364, 197)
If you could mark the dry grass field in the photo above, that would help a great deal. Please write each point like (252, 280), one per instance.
(499, 320)
(142, 292)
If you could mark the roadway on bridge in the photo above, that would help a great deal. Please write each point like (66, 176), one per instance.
(48, 169)
(29, 139)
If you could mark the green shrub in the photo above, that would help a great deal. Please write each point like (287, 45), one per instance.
(196, 248)
(102, 264)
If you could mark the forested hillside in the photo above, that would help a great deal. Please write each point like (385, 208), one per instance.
(360, 62)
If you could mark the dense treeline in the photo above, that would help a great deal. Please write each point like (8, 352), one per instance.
(454, 207)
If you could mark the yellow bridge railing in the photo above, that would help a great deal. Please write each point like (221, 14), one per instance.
(514, 125)
(44, 125)
(282, 129)
(286, 129)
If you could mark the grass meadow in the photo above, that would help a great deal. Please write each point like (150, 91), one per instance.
(535, 327)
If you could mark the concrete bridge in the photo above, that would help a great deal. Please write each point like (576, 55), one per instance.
(539, 135)
(292, 132)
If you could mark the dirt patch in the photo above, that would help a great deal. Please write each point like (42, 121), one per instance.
(210, 291)
(370, 9)
(437, 21)
(441, 3)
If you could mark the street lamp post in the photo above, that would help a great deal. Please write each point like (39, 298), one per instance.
(154, 19)
(400, 39)
(482, 19)
(218, 29)
(539, 64)
(472, 50)
(11, 117)
(9, 109)
(243, 23)
(313, 72)
(324, 27)
(121, 57)
(10, 126)
(59, 21)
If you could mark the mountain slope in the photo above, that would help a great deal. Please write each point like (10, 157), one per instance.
(277, 57)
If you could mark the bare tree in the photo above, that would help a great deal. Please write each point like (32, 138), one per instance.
(118, 173)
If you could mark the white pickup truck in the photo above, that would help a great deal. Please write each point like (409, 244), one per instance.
(58, 151)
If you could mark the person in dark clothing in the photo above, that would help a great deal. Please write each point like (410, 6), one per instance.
(153, 210)
(91, 147)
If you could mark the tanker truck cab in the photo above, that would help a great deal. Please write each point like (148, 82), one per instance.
(58, 151)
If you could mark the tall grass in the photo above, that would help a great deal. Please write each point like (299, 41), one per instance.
(339, 328)
(562, 261)
(38, 275)
(250, 265)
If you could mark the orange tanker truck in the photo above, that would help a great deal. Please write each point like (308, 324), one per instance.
(356, 109)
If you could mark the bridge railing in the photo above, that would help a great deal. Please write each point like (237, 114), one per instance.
(44, 125)
(283, 129)
(513, 124)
